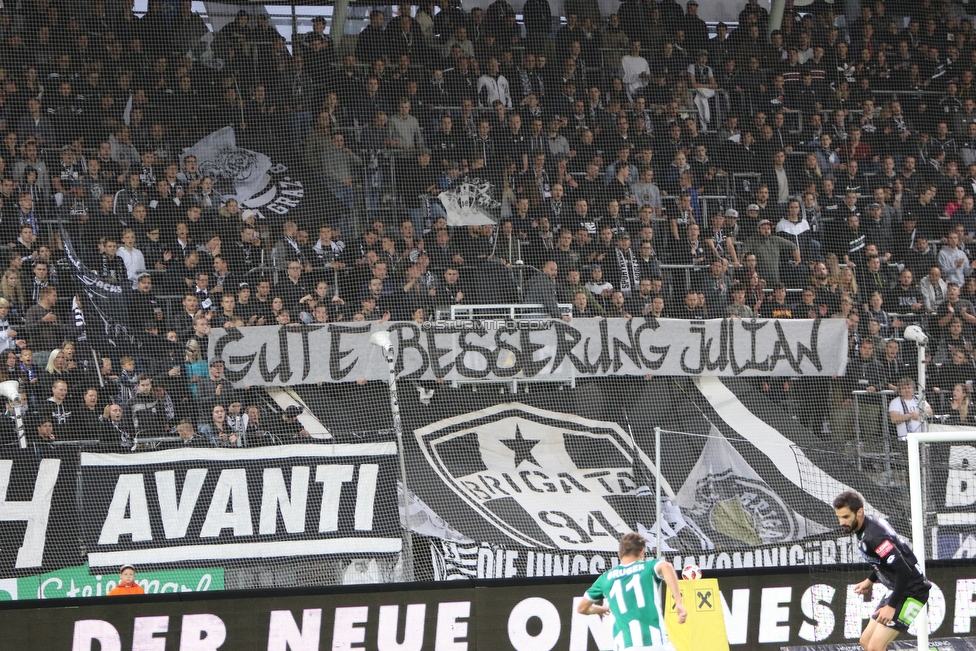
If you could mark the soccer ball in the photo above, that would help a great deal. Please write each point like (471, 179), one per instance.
(691, 572)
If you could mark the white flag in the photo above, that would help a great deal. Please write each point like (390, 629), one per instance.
(238, 173)
(725, 495)
(470, 203)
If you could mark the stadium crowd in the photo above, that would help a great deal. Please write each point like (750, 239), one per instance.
(643, 166)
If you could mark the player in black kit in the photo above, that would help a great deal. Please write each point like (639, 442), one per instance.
(893, 563)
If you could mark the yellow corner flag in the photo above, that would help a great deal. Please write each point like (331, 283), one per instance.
(705, 626)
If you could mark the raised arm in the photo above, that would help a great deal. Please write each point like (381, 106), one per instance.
(666, 571)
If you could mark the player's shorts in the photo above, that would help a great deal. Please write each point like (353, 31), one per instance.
(909, 610)
(658, 642)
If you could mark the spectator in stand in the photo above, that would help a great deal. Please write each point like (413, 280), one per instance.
(904, 297)
(13, 293)
(127, 583)
(85, 420)
(542, 290)
(933, 289)
(738, 309)
(691, 308)
(214, 389)
(617, 307)
(338, 164)
(219, 431)
(288, 429)
(404, 128)
(493, 86)
(959, 371)
(954, 261)
(953, 340)
(768, 250)
(715, 285)
(10, 339)
(113, 430)
(777, 307)
(142, 414)
(196, 367)
(45, 330)
(56, 370)
(188, 437)
(809, 307)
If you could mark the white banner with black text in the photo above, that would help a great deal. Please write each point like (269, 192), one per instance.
(544, 349)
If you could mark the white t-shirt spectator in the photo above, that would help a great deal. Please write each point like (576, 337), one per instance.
(631, 69)
(135, 263)
(901, 406)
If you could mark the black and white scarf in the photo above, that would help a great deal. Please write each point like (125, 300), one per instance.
(525, 81)
(298, 250)
(556, 207)
(36, 289)
(427, 281)
(629, 271)
(124, 439)
(327, 254)
(718, 239)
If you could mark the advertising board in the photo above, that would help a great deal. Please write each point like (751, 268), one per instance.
(762, 612)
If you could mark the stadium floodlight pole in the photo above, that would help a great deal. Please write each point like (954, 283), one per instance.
(383, 340)
(915, 439)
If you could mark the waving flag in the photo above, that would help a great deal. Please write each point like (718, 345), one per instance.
(470, 202)
(102, 304)
(237, 172)
(248, 176)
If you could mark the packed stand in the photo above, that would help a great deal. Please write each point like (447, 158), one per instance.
(644, 166)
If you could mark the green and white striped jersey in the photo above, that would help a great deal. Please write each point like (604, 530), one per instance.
(633, 595)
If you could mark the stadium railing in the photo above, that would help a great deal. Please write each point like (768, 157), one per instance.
(500, 311)
(864, 449)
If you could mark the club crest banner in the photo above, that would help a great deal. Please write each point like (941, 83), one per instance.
(248, 176)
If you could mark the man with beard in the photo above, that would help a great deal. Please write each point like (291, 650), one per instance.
(892, 560)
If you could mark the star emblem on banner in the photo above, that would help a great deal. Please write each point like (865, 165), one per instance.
(522, 447)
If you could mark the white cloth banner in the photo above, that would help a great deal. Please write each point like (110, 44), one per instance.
(469, 203)
(500, 350)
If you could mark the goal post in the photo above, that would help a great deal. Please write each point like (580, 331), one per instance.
(917, 506)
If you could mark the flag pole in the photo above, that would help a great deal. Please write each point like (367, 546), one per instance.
(382, 340)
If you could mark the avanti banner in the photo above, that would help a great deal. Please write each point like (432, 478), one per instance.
(206, 505)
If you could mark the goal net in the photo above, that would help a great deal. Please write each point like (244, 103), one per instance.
(947, 488)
